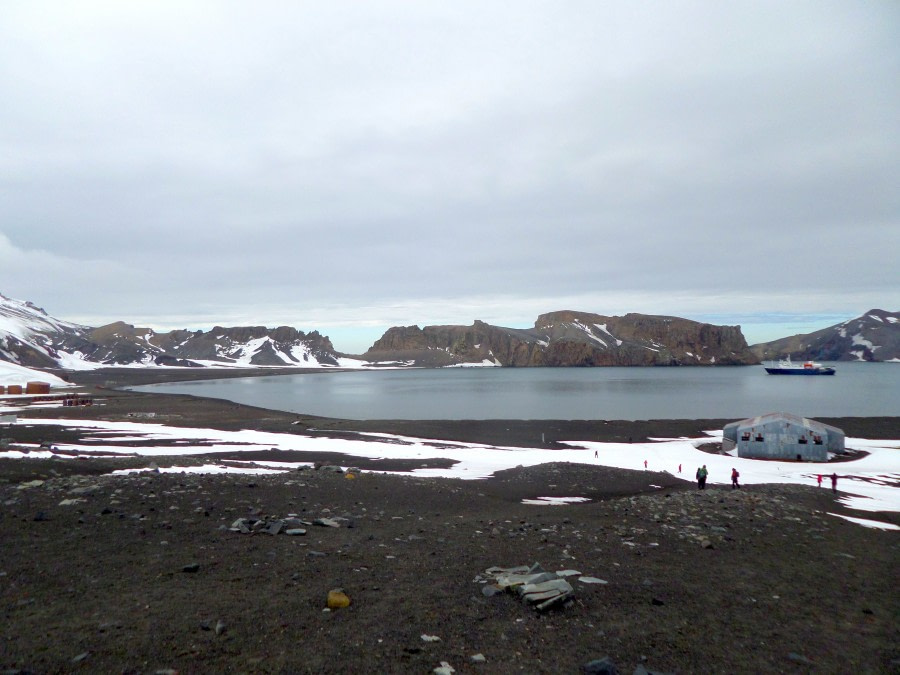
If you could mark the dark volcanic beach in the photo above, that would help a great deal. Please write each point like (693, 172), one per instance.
(141, 573)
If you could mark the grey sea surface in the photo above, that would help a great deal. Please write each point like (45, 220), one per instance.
(626, 393)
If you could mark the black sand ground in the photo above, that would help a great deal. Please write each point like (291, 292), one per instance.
(140, 574)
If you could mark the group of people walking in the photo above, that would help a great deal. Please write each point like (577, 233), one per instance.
(703, 472)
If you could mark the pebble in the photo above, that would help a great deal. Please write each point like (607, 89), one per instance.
(70, 502)
(30, 484)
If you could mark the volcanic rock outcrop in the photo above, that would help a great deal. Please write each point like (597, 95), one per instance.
(569, 338)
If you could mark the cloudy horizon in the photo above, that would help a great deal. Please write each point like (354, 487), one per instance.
(352, 166)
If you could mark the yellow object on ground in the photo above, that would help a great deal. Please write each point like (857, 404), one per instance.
(337, 599)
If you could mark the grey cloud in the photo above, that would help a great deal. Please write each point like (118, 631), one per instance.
(378, 156)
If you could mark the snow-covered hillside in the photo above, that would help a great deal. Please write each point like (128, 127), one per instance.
(10, 373)
(874, 336)
(29, 337)
(28, 333)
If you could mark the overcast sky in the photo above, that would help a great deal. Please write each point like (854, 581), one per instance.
(349, 166)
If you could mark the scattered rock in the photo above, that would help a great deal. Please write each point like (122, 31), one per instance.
(640, 670)
(444, 669)
(477, 658)
(546, 594)
(568, 573)
(603, 666)
(430, 638)
(330, 468)
(30, 484)
(191, 568)
(536, 587)
(291, 526)
(326, 522)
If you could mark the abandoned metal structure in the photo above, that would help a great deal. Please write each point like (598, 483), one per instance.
(781, 435)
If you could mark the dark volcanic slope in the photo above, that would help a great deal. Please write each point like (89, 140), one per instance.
(140, 574)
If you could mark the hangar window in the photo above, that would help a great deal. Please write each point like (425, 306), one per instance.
(803, 440)
(759, 438)
(745, 436)
(817, 440)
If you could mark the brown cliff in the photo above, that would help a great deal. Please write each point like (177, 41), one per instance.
(569, 338)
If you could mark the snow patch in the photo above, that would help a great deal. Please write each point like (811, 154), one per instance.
(12, 373)
(602, 326)
(876, 524)
(554, 501)
(869, 483)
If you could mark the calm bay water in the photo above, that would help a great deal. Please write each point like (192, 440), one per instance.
(857, 390)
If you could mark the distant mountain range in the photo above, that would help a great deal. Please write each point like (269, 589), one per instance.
(874, 336)
(30, 337)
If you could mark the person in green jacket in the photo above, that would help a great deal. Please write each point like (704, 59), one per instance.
(702, 473)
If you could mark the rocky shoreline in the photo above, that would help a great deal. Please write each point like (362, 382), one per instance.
(154, 573)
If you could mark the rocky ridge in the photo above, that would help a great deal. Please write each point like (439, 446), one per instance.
(570, 338)
(30, 337)
(874, 336)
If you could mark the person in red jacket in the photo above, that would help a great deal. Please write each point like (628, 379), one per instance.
(734, 478)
